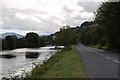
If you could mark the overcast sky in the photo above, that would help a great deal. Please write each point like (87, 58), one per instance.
(44, 16)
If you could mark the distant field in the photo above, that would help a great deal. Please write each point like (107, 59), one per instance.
(64, 64)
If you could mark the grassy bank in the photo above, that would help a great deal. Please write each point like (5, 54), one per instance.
(64, 64)
(98, 46)
(105, 48)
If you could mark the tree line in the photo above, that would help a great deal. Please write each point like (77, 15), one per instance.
(108, 15)
(107, 31)
(104, 30)
(31, 40)
(65, 37)
(92, 35)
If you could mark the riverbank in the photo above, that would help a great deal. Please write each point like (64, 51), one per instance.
(64, 64)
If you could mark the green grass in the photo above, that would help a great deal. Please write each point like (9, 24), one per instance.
(98, 46)
(105, 48)
(64, 64)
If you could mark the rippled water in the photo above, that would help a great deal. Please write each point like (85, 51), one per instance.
(22, 63)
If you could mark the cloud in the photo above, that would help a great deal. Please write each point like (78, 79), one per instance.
(89, 6)
(92, 0)
(44, 16)
(87, 15)
(76, 15)
(22, 16)
(21, 4)
(1, 23)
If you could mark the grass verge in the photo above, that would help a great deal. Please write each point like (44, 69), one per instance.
(105, 48)
(64, 64)
(98, 46)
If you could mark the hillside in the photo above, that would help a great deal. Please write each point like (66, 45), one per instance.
(3, 35)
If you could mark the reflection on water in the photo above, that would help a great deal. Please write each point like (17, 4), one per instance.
(32, 54)
(8, 56)
(23, 62)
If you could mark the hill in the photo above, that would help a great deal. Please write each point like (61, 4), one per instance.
(3, 35)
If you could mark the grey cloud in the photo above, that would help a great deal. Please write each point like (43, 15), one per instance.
(11, 22)
(89, 6)
(78, 17)
(73, 20)
(48, 25)
(67, 11)
(113, 0)
(65, 8)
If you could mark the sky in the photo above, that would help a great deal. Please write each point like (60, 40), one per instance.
(44, 16)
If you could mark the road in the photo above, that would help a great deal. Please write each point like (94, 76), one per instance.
(99, 63)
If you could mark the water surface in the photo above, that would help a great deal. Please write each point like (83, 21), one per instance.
(22, 60)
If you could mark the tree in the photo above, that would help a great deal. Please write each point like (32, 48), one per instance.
(10, 42)
(32, 40)
(86, 23)
(108, 15)
(81, 34)
(66, 36)
(21, 43)
(42, 41)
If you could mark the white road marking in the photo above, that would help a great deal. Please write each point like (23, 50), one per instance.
(112, 60)
(101, 55)
(108, 58)
(116, 61)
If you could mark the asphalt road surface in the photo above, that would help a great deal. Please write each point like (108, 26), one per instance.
(99, 63)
